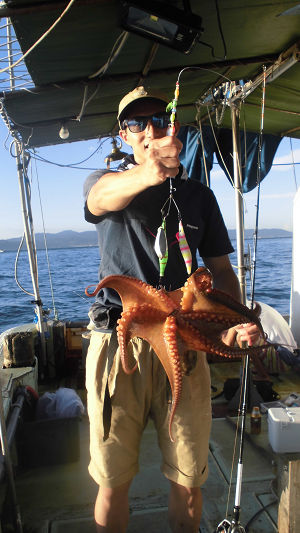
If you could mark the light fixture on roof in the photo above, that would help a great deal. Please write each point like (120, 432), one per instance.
(115, 154)
(164, 23)
(64, 132)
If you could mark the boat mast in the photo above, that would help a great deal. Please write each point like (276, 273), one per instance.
(21, 161)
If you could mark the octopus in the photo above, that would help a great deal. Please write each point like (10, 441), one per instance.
(174, 323)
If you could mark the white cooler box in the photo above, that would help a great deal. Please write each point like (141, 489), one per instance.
(284, 429)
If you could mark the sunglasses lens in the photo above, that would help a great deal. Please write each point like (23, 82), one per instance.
(160, 121)
(138, 124)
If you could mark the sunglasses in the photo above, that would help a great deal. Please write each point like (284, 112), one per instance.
(138, 124)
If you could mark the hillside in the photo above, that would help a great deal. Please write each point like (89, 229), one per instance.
(272, 233)
(73, 239)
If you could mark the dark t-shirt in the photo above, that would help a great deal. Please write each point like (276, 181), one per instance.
(126, 237)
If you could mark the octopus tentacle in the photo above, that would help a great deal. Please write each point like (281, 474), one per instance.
(136, 292)
(170, 331)
(190, 318)
(132, 324)
(207, 340)
(124, 338)
(249, 314)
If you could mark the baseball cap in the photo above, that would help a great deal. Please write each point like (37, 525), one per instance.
(139, 93)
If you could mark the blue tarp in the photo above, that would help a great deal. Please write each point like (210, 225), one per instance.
(192, 157)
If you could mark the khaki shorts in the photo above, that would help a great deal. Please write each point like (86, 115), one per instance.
(136, 397)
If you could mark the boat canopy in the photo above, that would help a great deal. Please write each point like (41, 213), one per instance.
(87, 62)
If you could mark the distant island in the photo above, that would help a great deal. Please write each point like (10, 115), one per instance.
(75, 239)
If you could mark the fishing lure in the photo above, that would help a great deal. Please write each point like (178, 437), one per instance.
(161, 249)
(184, 248)
(161, 244)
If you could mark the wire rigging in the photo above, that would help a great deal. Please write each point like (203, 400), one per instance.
(46, 244)
(42, 159)
(9, 67)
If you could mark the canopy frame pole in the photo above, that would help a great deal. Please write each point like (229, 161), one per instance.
(27, 216)
(31, 249)
(239, 205)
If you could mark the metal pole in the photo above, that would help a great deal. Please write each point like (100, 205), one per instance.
(26, 212)
(235, 119)
(31, 250)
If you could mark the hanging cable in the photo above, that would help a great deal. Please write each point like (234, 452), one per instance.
(9, 67)
(220, 28)
(116, 49)
(16, 268)
(46, 245)
(38, 157)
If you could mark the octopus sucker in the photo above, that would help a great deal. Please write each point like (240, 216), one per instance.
(175, 323)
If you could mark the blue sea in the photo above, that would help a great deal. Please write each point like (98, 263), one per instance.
(73, 269)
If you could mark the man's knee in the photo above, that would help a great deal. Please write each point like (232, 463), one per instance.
(112, 509)
(185, 508)
(186, 493)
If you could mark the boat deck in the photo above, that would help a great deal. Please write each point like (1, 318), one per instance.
(59, 498)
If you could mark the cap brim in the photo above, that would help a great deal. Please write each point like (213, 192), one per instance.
(126, 109)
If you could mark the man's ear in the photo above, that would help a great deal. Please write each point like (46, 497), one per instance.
(124, 136)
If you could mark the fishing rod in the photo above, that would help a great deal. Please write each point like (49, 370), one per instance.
(234, 526)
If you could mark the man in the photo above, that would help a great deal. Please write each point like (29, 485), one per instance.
(127, 208)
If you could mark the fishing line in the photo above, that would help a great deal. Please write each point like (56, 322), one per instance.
(219, 150)
(198, 120)
(161, 242)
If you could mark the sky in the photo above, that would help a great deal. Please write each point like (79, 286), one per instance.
(57, 201)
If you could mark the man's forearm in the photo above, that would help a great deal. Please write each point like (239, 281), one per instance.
(114, 191)
(228, 282)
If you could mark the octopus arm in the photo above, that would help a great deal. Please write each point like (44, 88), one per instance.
(208, 339)
(135, 292)
(159, 331)
(249, 315)
(142, 321)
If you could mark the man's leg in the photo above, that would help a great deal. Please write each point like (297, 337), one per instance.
(185, 508)
(112, 509)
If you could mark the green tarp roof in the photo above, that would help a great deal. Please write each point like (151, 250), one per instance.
(256, 32)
